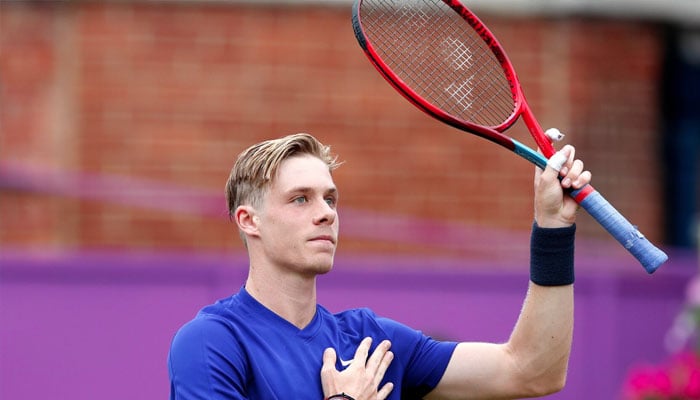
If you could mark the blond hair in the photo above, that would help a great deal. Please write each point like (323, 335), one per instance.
(256, 167)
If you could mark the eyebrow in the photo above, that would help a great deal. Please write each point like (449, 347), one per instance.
(305, 189)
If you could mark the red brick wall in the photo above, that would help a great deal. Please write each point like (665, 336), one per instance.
(170, 93)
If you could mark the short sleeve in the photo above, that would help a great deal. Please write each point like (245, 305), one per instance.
(425, 358)
(206, 362)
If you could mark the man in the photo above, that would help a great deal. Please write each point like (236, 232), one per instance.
(272, 340)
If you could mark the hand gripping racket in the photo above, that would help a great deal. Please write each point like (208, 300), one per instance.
(445, 61)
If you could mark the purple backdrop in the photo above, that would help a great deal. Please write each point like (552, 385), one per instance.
(97, 325)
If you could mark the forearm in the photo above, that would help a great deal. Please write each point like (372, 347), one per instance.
(541, 340)
(540, 343)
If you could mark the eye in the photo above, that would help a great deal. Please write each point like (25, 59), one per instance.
(331, 201)
(300, 200)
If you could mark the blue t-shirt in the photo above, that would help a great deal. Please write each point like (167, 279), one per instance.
(239, 349)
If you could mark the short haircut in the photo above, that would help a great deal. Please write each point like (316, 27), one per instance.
(256, 167)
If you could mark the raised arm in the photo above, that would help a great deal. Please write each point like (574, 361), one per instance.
(534, 360)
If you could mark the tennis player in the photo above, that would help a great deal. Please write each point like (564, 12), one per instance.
(271, 340)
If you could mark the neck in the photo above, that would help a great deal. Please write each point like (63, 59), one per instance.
(290, 296)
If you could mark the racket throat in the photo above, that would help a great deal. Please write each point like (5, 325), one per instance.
(543, 142)
(529, 154)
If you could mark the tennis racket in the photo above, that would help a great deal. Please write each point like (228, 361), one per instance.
(445, 61)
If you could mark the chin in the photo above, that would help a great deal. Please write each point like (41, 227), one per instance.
(323, 267)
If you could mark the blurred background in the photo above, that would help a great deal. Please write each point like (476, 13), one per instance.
(120, 121)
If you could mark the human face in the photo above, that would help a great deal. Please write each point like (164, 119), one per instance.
(298, 225)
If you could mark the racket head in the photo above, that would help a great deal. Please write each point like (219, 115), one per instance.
(401, 59)
(456, 72)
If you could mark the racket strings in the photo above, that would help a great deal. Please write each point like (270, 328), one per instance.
(440, 57)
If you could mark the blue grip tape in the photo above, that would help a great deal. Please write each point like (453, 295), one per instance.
(621, 229)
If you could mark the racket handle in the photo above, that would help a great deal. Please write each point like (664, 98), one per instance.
(620, 228)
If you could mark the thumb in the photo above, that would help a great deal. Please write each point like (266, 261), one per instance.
(329, 358)
(328, 371)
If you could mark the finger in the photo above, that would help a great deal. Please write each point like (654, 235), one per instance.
(582, 180)
(383, 366)
(576, 169)
(384, 392)
(377, 356)
(328, 369)
(557, 161)
(561, 159)
(573, 175)
(329, 358)
(362, 351)
(570, 160)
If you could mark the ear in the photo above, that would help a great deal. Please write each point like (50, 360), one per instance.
(247, 220)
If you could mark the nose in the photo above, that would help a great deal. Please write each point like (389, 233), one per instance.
(325, 214)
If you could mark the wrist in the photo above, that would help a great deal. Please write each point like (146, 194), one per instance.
(552, 255)
(553, 222)
(340, 396)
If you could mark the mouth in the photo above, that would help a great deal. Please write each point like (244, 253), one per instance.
(323, 238)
